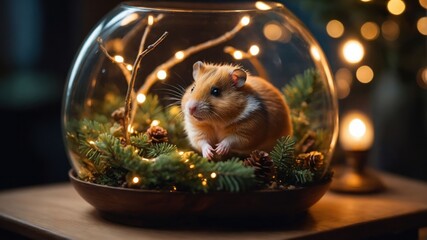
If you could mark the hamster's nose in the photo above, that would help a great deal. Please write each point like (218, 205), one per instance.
(192, 109)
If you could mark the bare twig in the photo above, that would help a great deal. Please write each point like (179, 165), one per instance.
(152, 77)
(136, 65)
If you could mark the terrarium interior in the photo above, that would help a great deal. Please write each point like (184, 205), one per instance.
(125, 122)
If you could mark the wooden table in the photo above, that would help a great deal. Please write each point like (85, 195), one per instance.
(57, 212)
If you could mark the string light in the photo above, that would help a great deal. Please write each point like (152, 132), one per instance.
(174, 188)
(423, 3)
(422, 78)
(245, 20)
(370, 30)
(129, 67)
(155, 123)
(273, 31)
(140, 98)
(150, 20)
(179, 55)
(238, 55)
(192, 166)
(204, 182)
(422, 25)
(135, 180)
(200, 175)
(353, 51)
(131, 129)
(254, 50)
(396, 7)
(119, 59)
(181, 153)
(162, 75)
(262, 6)
(364, 74)
(91, 142)
(335, 28)
(213, 175)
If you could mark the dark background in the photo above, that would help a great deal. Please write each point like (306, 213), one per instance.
(40, 37)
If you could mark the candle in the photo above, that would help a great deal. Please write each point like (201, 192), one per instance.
(356, 132)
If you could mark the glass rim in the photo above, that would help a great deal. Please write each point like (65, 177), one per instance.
(203, 7)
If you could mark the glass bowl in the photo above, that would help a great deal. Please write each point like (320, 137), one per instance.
(200, 98)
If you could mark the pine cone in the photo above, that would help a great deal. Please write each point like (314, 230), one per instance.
(261, 161)
(157, 134)
(312, 160)
(118, 115)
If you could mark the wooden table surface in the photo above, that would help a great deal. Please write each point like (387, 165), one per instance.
(57, 212)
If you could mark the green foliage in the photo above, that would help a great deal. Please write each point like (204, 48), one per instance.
(233, 176)
(283, 158)
(303, 177)
(161, 148)
(304, 95)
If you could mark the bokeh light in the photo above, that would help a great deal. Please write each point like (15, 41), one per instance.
(353, 51)
(422, 25)
(364, 74)
(370, 30)
(390, 30)
(335, 28)
(396, 7)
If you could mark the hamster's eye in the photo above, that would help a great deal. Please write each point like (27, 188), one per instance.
(192, 88)
(215, 91)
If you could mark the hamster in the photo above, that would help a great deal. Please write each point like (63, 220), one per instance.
(228, 111)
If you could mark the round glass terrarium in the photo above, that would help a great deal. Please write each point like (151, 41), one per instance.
(179, 97)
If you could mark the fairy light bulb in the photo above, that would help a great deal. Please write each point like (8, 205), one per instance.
(162, 75)
(254, 50)
(140, 98)
(119, 59)
(245, 20)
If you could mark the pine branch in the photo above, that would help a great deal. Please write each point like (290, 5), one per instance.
(303, 177)
(141, 142)
(233, 176)
(283, 158)
(161, 148)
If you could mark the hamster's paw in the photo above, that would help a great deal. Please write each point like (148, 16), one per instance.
(223, 147)
(207, 151)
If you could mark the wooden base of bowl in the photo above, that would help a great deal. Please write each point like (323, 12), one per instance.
(151, 207)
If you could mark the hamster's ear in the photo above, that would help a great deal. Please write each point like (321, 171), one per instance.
(238, 76)
(198, 67)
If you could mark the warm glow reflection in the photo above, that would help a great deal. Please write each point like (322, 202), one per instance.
(365, 0)
(335, 28)
(422, 25)
(254, 50)
(364, 74)
(238, 55)
(140, 98)
(390, 30)
(396, 7)
(273, 31)
(162, 75)
(356, 132)
(370, 30)
(315, 53)
(245, 20)
(179, 55)
(353, 51)
(262, 5)
(129, 18)
(423, 3)
(119, 59)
